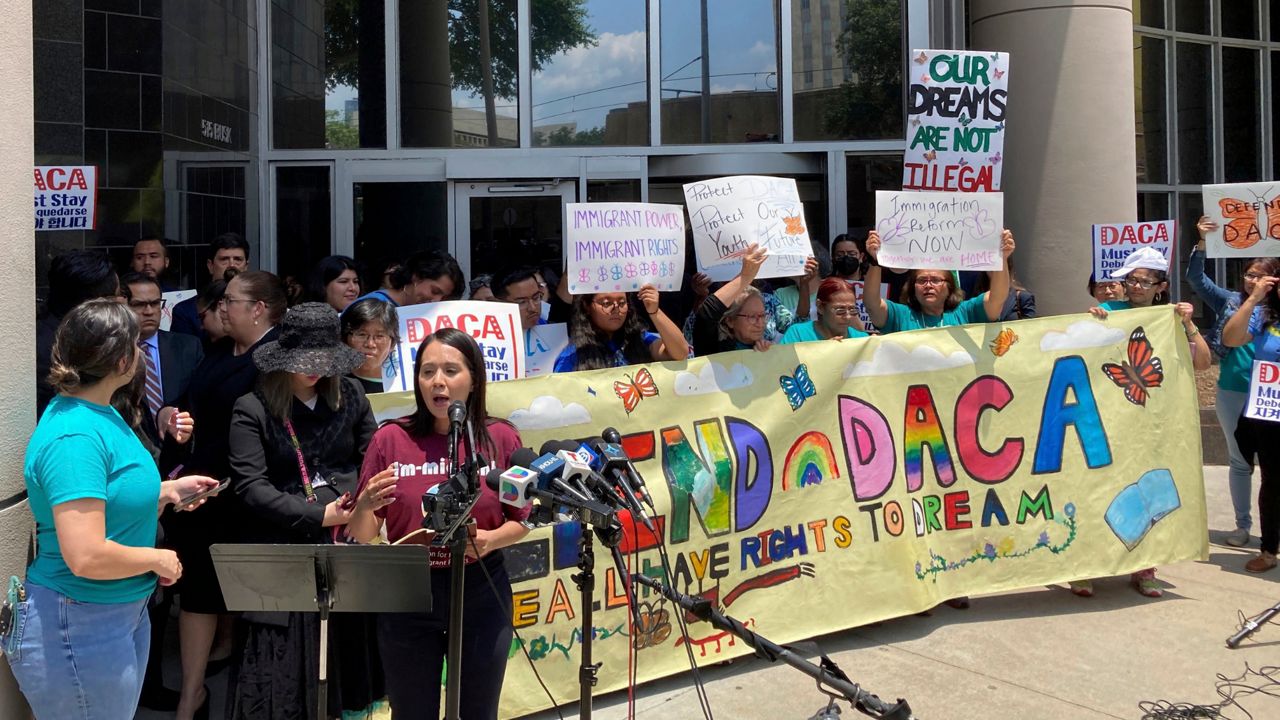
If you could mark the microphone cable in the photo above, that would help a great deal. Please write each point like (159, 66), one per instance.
(703, 701)
(505, 603)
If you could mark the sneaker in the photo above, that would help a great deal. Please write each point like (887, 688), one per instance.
(1263, 562)
(1145, 583)
(1083, 588)
(1237, 538)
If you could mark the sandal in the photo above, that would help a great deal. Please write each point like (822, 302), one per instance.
(1082, 588)
(1263, 562)
(1144, 581)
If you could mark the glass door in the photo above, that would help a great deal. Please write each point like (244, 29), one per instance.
(503, 224)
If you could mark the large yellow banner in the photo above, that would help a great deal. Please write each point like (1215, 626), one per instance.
(821, 486)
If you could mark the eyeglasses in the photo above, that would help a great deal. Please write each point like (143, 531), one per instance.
(224, 302)
(927, 281)
(147, 304)
(844, 310)
(758, 318)
(1254, 276)
(609, 306)
(1140, 283)
(534, 300)
(364, 337)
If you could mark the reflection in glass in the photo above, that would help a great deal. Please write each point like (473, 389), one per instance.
(1150, 120)
(1240, 102)
(847, 69)
(328, 74)
(613, 191)
(1149, 13)
(1193, 15)
(593, 89)
(394, 219)
(1195, 114)
(864, 175)
(1240, 19)
(303, 224)
(514, 230)
(719, 71)
(1275, 126)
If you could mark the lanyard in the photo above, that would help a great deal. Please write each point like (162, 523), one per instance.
(302, 465)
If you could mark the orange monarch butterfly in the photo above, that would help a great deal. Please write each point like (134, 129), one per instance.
(1245, 226)
(795, 225)
(1003, 342)
(1142, 372)
(922, 58)
(931, 155)
(633, 390)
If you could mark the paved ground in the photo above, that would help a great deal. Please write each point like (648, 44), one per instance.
(1040, 653)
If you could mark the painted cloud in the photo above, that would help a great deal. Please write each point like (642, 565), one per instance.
(1082, 334)
(546, 412)
(713, 377)
(891, 359)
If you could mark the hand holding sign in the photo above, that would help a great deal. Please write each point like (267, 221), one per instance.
(940, 231)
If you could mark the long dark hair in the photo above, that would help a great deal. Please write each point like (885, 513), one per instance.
(591, 343)
(325, 272)
(422, 422)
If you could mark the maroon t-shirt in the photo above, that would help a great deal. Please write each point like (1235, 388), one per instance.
(424, 463)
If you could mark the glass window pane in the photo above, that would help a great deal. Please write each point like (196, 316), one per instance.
(847, 69)
(613, 191)
(864, 175)
(729, 93)
(1275, 124)
(1149, 13)
(1240, 18)
(1151, 99)
(1153, 206)
(1195, 114)
(458, 85)
(1193, 15)
(394, 219)
(509, 230)
(303, 224)
(328, 74)
(590, 79)
(1240, 117)
(1275, 20)
(1190, 208)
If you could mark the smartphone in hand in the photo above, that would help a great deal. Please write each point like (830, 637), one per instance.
(187, 501)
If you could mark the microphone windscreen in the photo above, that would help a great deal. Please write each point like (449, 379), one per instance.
(611, 435)
(524, 457)
(494, 478)
(457, 411)
(549, 447)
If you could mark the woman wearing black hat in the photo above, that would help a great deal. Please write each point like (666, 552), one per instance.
(295, 449)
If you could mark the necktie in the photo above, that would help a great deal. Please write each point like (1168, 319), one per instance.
(155, 396)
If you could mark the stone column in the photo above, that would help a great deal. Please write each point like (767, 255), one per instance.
(1070, 152)
(18, 297)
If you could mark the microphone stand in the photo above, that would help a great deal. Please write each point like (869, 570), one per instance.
(827, 674)
(463, 478)
(1252, 624)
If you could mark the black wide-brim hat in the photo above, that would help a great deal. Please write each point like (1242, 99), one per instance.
(309, 344)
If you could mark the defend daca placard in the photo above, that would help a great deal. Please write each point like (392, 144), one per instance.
(1114, 242)
(955, 120)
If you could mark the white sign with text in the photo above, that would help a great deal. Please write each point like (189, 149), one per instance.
(1248, 217)
(621, 247)
(65, 197)
(940, 230)
(729, 214)
(1264, 392)
(494, 325)
(1115, 242)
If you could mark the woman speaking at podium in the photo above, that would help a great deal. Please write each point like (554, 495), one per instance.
(406, 458)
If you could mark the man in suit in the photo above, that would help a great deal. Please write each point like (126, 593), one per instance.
(169, 359)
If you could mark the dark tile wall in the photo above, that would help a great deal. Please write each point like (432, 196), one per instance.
(120, 83)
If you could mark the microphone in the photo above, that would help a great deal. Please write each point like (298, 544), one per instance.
(457, 413)
(549, 468)
(576, 471)
(519, 487)
(613, 437)
(614, 460)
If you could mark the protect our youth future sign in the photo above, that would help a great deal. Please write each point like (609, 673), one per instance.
(955, 120)
(1114, 242)
(729, 214)
(620, 247)
(940, 231)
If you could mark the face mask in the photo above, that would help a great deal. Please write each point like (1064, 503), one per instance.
(845, 265)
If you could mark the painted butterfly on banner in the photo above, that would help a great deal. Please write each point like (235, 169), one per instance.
(635, 389)
(1245, 226)
(1003, 342)
(1140, 373)
(799, 387)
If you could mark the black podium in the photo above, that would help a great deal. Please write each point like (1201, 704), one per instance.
(324, 579)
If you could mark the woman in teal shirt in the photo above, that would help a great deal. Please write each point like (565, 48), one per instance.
(79, 639)
(931, 298)
(837, 315)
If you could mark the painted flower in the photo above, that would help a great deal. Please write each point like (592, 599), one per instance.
(538, 648)
(1044, 538)
(1070, 509)
(1006, 546)
(989, 550)
(918, 568)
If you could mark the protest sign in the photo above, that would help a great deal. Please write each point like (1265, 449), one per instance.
(66, 197)
(494, 325)
(940, 231)
(542, 345)
(955, 120)
(1010, 471)
(729, 214)
(1248, 217)
(1264, 392)
(620, 247)
(171, 299)
(1114, 242)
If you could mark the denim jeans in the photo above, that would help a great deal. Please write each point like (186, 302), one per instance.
(1229, 406)
(80, 661)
